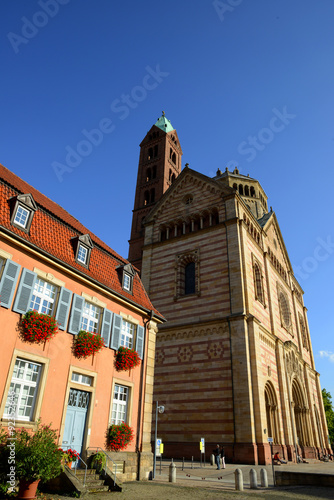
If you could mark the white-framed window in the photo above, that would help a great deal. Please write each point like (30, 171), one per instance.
(90, 317)
(127, 282)
(82, 246)
(43, 297)
(23, 390)
(82, 254)
(79, 378)
(120, 404)
(127, 274)
(21, 216)
(127, 334)
(22, 211)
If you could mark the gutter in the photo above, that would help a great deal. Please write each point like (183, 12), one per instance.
(139, 439)
(230, 335)
(21, 242)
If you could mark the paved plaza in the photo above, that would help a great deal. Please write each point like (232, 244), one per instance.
(193, 474)
(194, 482)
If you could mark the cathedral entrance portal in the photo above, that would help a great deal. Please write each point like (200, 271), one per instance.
(300, 415)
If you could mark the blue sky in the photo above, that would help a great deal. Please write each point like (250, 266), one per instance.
(244, 82)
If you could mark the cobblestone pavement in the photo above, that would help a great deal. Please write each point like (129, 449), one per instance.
(199, 483)
(156, 491)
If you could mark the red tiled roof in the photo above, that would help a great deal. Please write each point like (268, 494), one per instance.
(52, 229)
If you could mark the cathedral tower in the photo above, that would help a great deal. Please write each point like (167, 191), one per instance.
(234, 361)
(249, 189)
(159, 165)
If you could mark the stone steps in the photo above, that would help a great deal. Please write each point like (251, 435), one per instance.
(94, 483)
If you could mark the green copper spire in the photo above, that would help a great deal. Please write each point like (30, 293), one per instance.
(164, 124)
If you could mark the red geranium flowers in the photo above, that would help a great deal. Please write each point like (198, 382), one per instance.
(71, 455)
(37, 327)
(126, 359)
(119, 436)
(86, 344)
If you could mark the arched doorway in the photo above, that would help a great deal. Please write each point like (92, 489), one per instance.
(300, 413)
(271, 413)
(320, 437)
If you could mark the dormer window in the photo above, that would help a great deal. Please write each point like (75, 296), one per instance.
(127, 274)
(127, 282)
(82, 254)
(22, 216)
(23, 209)
(82, 247)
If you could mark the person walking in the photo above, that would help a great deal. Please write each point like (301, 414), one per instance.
(217, 453)
(222, 454)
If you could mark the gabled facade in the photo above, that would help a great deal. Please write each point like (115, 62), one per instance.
(234, 361)
(51, 263)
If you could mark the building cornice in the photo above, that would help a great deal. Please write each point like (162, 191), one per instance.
(50, 259)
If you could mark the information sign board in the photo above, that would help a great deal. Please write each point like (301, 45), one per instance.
(158, 448)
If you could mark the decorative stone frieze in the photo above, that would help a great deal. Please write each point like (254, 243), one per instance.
(192, 333)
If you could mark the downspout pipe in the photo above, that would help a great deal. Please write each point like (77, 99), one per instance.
(230, 336)
(140, 404)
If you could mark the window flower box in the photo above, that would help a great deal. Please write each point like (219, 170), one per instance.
(37, 328)
(119, 436)
(126, 358)
(86, 344)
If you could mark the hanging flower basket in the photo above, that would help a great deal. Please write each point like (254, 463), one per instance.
(37, 327)
(126, 358)
(86, 344)
(119, 436)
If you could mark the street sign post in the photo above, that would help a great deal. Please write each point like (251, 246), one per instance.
(159, 451)
(202, 449)
(270, 441)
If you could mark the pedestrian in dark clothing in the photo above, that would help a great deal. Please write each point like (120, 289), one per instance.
(217, 453)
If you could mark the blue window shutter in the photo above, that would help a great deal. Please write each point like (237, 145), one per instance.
(140, 341)
(76, 314)
(63, 307)
(24, 292)
(8, 282)
(106, 326)
(116, 332)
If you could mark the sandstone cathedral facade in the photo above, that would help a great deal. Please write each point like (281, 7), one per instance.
(234, 361)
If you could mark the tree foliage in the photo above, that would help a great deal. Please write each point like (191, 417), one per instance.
(327, 398)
